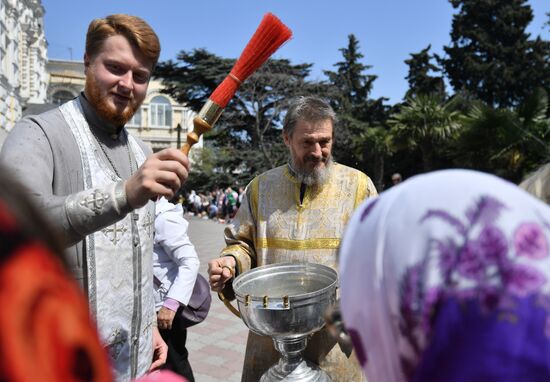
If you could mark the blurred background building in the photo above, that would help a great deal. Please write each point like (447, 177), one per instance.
(23, 57)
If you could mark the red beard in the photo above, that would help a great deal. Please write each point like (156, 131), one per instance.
(104, 108)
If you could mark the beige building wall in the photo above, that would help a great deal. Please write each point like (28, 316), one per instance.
(66, 80)
(158, 120)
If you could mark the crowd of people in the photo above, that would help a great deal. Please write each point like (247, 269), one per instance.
(219, 204)
(443, 277)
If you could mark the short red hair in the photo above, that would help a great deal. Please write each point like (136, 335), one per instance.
(136, 30)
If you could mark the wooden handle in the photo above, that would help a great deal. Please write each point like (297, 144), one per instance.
(185, 148)
(199, 127)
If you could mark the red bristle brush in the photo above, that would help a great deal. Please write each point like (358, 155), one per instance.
(269, 36)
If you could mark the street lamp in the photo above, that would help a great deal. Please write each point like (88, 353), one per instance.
(178, 129)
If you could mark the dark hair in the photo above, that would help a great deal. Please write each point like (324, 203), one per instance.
(25, 222)
(308, 108)
(135, 29)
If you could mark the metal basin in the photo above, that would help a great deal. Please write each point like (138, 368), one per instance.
(286, 300)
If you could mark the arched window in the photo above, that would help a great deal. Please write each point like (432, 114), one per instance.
(62, 96)
(136, 119)
(160, 112)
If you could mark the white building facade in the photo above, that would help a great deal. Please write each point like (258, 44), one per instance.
(23, 56)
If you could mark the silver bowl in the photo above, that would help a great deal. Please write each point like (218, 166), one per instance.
(287, 302)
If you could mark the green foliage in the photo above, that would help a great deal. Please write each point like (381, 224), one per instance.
(374, 145)
(491, 55)
(350, 91)
(507, 142)
(353, 85)
(192, 79)
(419, 78)
(424, 122)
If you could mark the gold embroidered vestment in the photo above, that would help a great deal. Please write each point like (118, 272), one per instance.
(274, 226)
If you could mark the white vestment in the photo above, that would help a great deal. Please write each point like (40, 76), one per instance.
(119, 259)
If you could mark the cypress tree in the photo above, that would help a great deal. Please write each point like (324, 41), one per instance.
(420, 78)
(491, 56)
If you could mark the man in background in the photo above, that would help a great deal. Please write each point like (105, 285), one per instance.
(396, 179)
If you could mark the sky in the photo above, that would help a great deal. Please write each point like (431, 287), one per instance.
(387, 30)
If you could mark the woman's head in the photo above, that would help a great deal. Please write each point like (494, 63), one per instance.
(447, 277)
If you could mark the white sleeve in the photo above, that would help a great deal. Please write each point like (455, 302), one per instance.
(171, 234)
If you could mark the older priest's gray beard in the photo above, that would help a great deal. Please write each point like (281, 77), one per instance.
(318, 176)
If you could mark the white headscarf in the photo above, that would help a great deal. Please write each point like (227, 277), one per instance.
(446, 277)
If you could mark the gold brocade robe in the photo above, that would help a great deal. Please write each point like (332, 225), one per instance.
(272, 226)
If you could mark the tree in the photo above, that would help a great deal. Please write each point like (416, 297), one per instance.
(376, 147)
(509, 143)
(351, 88)
(419, 78)
(247, 138)
(491, 56)
(424, 122)
(353, 85)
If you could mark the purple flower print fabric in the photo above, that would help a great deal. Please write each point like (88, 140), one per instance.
(446, 278)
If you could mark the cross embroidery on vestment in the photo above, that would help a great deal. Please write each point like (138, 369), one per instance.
(115, 238)
(147, 223)
(115, 343)
(95, 201)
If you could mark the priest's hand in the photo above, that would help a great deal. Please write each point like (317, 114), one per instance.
(160, 350)
(162, 174)
(220, 270)
(165, 317)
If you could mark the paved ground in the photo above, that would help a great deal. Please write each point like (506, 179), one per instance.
(216, 346)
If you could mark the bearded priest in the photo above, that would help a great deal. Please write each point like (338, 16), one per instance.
(294, 213)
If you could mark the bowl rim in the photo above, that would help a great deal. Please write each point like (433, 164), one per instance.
(243, 278)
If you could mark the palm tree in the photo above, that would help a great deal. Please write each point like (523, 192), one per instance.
(375, 146)
(423, 122)
(507, 142)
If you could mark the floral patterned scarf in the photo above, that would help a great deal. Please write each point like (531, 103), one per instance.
(46, 333)
(446, 277)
